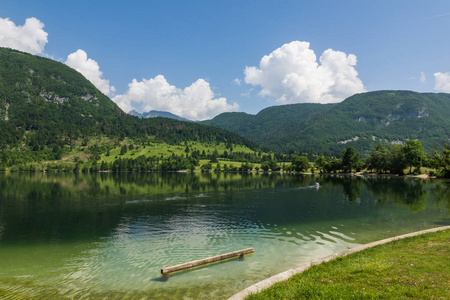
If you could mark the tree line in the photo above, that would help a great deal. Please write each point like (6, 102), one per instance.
(383, 159)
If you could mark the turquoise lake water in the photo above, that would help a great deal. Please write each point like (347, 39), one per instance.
(107, 236)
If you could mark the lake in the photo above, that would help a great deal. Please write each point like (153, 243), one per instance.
(108, 235)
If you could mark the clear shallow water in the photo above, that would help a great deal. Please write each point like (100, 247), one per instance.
(83, 236)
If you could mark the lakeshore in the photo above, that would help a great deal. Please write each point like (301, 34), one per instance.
(101, 229)
(380, 271)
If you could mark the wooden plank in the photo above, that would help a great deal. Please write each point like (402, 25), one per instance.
(195, 263)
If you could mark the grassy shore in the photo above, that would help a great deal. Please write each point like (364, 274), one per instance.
(414, 268)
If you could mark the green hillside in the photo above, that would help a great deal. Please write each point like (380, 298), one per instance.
(44, 103)
(361, 121)
(270, 123)
(50, 114)
(49, 99)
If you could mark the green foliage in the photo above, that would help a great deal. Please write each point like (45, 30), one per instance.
(246, 167)
(123, 150)
(320, 163)
(379, 159)
(397, 159)
(45, 104)
(206, 167)
(414, 154)
(333, 166)
(265, 166)
(383, 160)
(300, 163)
(49, 100)
(350, 160)
(361, 121)
(441, 161)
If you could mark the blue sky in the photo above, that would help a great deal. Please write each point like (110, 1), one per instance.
(200, 58)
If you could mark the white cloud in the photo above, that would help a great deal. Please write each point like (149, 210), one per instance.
(423, 79)
(442, 82)
(29, 38)
(248, 93)
(237, 81)
(90, 69)
(195, 102)
(292, 74)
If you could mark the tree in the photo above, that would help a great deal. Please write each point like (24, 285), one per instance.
(378, 159)
(273, 165)
(206, 167)
(441, 161)
(104, 166)
(265, 166)
(350, 159)
(300, 163)
(123, 150)
(414, 154)
(397, 161)
(214, 157)
(57, 152)
(333, 166)
(246, 167)
(320, 163)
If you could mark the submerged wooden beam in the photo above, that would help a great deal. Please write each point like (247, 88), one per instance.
(195, 263)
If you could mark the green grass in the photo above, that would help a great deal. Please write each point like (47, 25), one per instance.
(412, 268)
(158, 149)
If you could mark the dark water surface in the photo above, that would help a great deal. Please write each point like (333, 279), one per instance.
(108, 236)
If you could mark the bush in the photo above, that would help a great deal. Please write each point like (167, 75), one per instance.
(15, 168)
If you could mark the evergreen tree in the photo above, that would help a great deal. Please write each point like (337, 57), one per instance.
(123, 150)
(350, 159)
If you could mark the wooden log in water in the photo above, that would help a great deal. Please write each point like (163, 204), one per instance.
(208, 260)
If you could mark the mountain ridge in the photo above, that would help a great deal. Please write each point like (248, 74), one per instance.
(44, 103)
(156, 113)
(361, 121)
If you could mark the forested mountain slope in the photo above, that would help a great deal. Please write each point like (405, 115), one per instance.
(156, 113)
(270, 123)
(360, 121)
(46, 97)
(44, 102)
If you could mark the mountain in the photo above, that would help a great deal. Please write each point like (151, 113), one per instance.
(360, 121)
(45, 103)
(41, 95)
(270, 122)
(156, 113)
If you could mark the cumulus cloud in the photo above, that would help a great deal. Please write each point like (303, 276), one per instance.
(195, 102)
(292, 74)
(29, 38)
(442, 82)
(90, 69)
(237, 81)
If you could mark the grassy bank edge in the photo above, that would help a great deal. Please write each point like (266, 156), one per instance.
(286, 284)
